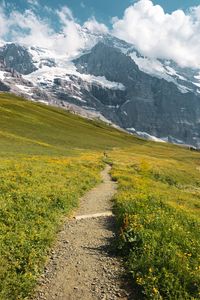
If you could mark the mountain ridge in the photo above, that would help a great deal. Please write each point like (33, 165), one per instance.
(108, 81)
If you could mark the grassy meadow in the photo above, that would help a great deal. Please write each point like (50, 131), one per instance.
(49, 158)
(158, 213)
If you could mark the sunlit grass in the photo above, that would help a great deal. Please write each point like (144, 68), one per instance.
(157, 207)
(36, 193)
(50, 158)
(32, 128)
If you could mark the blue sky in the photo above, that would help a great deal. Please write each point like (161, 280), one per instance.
(103, 10)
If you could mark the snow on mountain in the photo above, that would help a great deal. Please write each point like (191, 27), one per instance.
(63, 69)
(184, 78)
(114, 87)
(151, 66)
(2, 75)
(2, 43)
(51, 64)
(145, 135)
(51, 67)
(152, 138)
(59, 63)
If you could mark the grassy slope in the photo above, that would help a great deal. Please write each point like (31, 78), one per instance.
(158, 212)
(49, 158)
(32, 128)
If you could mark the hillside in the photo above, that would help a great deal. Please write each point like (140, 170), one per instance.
(31, 128)
(50, 158)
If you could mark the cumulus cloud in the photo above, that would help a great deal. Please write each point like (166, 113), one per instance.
(158, 34)
(71, 38)
(95, 27)
(29, 29)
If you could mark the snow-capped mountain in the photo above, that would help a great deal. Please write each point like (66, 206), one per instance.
(186, 79)
(109, 79)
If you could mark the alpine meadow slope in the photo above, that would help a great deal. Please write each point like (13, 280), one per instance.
(50, 158)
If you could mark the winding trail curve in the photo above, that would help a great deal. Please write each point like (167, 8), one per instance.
(81, 266)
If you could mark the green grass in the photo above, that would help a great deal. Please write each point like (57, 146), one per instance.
(158, 213)
(49, 158)
(35, 194)
(31, 128)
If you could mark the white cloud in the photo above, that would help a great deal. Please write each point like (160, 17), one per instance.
(65, 14)
(158, 34)
(29, 29)
(33, 2)
(95, 27)
(72, 40)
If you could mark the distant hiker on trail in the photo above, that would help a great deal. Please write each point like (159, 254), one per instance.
(105, 154)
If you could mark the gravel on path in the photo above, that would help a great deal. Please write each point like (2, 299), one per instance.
(81, 265)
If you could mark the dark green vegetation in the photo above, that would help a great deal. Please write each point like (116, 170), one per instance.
(49, 158)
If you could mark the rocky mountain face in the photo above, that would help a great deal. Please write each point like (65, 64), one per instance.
(153, 98)
(148, 104)
(4, 87)
(17, 58)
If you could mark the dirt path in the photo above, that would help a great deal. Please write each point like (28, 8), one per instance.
(81, 266)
